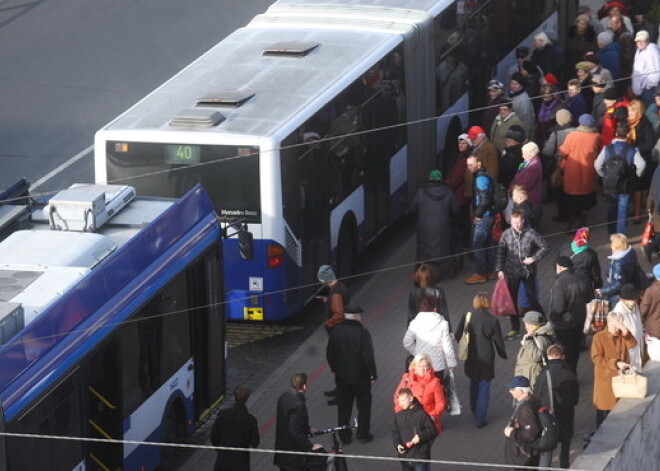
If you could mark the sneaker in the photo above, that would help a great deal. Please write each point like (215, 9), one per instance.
(332, 392)
(491, 275)
(365, 438)
(476, 279)
(512, 335)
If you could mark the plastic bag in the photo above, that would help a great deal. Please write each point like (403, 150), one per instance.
(653, 348)
(502, 303)
(649, 232)
(455, 408)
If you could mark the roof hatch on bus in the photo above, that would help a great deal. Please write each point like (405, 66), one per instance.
(201, 118)
(234, 98)
(291, 48)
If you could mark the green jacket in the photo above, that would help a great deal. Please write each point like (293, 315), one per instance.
(532, 353)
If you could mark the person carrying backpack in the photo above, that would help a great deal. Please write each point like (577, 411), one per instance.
(523, 427)
(619, 164)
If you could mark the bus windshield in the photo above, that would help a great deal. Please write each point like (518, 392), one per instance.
(230, 174)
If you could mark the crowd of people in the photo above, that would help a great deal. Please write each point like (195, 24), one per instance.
(566, 125)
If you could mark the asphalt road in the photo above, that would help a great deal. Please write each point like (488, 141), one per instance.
(70, 67)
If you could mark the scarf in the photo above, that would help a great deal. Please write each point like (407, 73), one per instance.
(523, 165)
(576, 250)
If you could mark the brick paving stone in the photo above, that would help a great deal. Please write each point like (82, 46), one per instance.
(383, 295)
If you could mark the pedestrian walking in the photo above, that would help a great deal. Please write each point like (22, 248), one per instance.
(609, 353)
(567, 308)
(292, 428)
(562, 393)
(519, 251)
(235, 427)
(482, 222)
(632, 318)
(619, 164)
(436, 209)
(350, 354)
(584, 258)
(429, 333)
(413, 432)
(425, 386)
(523, 427)
(485, 336)
(539, 335)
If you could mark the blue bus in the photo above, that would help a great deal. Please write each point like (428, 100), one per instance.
(112, 327)
(299, 125)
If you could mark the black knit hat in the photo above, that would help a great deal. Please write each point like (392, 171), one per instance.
(610, 94)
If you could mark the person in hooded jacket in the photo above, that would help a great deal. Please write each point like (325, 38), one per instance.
(429, 333)
(485, 339)
(413, 431)
(539, 335)
(436, 207)
(584, 258)
(567, 308)
(621, 269)
(426, 388)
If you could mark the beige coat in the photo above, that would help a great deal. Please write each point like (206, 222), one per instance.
(606, 350)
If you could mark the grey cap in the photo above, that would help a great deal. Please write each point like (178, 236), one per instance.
(534, 318)
(326, 274)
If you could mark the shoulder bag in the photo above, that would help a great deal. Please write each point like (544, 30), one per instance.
(464, 343)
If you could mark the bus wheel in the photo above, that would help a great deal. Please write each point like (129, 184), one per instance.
(345, 251)
(173, 432)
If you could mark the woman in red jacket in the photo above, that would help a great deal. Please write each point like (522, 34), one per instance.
(421, 380)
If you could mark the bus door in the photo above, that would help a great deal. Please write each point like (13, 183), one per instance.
(104, 417)
(207, 329)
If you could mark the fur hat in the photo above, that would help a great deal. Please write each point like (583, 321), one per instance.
(563, 117)
(495, 85)
(516, 133)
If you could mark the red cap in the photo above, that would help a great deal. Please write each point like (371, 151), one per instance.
(474, 132)
(551, 79)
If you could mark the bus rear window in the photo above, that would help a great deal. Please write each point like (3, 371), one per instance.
(230, 174)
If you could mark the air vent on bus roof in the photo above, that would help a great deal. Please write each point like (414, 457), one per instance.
(235, 98)
(291, 48)
(205, 118)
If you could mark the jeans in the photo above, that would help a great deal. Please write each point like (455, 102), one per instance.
(530, 289)
(617, 213)
(482, 244)
(479, 396)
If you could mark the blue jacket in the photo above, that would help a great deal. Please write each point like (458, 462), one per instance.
(621, 271)
(610, 58)
(483, 194)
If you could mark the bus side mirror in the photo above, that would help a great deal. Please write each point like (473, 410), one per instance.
(245, 245)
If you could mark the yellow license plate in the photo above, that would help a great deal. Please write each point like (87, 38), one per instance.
(253, 313)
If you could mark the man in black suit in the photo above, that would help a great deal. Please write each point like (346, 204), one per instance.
(292, 429)
(235, 427)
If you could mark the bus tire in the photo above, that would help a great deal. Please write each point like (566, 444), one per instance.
(346, 250)
(174, 431)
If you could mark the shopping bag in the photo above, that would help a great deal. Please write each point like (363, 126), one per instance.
(630, 384)
(451, 393)
(464, 343)
(649, 232)
(596, 319)
(501, 303)
(653, 348)
(496, 231)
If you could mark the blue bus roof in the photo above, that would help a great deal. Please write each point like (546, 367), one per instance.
(64, 332)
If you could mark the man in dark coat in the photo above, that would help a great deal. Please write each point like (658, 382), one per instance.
(414, 430)
(235, 427)
(350, 354)
(436, 208)
(292, 428)
(520, 249)
(567, 308)
(523, 426)
(565, 397)
(485, 339)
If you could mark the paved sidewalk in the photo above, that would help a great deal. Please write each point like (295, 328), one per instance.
(383, 295)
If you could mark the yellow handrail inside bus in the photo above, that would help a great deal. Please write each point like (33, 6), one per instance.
(100, 430)
(101, 398)
(98, 462)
